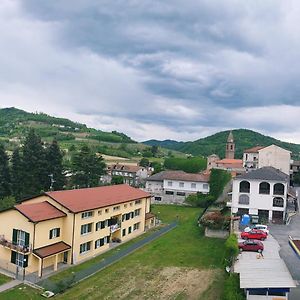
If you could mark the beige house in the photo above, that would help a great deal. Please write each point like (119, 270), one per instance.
(71, 226)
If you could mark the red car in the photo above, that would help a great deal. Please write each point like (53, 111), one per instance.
(254, 234)
(251, 245)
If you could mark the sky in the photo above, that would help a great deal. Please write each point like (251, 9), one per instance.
(155, 69)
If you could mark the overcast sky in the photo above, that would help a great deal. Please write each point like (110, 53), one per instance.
(155, 69)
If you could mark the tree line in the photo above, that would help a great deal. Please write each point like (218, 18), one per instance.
(36, 167)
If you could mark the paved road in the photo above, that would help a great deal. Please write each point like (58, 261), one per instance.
(78, 276)
(281, 233)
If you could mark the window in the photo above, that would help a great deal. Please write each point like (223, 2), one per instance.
(125, 205)
(137, 212)
(131, 203)
(101, 225)
(136, 226)
(116, 208)
(85, 247)
(99, 212)
(107, 210)
(138, 201)
(205, 186)
(86, 214)
(244, 199)
(264, 188)
(54, 233)
(124, 232)
(169, 193)
(86, 228)
(20, 238)
(19, 259)
(100, 242)
(278, 202)
(180, 194)
(129, 230)
(170, 183)
(278, 189)
(157, 198)
(181, 184)
(244, 187)
(193, 185)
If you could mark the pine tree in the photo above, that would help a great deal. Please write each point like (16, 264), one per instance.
(34, 165)
(87, 168)
(54, 157)
(17, 175)
(5, 180)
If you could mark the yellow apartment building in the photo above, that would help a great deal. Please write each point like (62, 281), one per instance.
(71, 226)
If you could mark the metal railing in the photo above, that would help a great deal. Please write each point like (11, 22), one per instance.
(13, 246)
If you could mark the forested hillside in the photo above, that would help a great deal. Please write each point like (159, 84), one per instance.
(243, 138)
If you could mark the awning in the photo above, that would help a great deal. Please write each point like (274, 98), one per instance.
(149, 216)
(56, 248)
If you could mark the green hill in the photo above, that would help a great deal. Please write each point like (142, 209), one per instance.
(243, 138)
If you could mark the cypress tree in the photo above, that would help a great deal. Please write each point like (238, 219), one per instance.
(17, 175)
(34, 165)
(5, 180)
(54, 157)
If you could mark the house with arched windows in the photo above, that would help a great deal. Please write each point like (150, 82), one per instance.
(262, 192)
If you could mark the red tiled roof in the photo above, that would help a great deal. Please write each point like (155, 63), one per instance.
(254, 149)
(41, 211)
(230, 163)
(92, 198)
(51, 249)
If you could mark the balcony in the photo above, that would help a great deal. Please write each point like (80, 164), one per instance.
(13, 246)
(115, 227)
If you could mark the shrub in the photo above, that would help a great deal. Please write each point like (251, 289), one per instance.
(200, 200)
(231, 248)
(232, 289)
(215, 220)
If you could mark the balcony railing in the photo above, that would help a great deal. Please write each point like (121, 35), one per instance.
(13, 246)
(115, 227)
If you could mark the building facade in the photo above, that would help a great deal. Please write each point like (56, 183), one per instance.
(71, 226)
(250, 157)
(175, 186)
(262, 192)
(230, 147)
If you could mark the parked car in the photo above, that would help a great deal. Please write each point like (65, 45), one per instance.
(261, 227)
(254, 234)
(251, 245)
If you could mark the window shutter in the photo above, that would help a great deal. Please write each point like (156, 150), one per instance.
(13, 257)
(25, 262)
(14, 237)
(58, 232)
(50, 234)
(26, 239)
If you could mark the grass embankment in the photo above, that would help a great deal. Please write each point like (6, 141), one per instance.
(4, 279)
(182, 264)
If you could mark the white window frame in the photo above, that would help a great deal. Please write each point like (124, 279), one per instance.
(54, 233)
(170, 183)
(85, 248)
(87, 214)
(19, 259)
(181, 184)
(86, 227)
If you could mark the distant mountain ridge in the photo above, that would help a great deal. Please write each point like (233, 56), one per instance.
(244, 139)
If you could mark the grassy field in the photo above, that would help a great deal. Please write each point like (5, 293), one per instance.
(4, 279)
(182, 264)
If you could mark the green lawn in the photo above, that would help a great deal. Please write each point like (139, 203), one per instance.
(21, 292)
(180, 262)
(4, 279)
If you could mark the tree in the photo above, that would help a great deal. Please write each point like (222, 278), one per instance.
(54, 158)
(117, 179)
(17, 175)
(87, 168)
(34, 164)
(7, 202)
(5, 179)
(154, 150)
(157, 167)
(144, 162)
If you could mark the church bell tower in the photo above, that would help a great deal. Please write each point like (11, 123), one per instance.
(230, 146)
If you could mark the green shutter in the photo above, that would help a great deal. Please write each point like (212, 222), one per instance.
(13, 257)
(26, 239)
(14, 237)
(25, 263)
(50, 234)
(58, 232)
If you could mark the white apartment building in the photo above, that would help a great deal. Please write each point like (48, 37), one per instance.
(175, 186)
(262, 192)
(271, 156)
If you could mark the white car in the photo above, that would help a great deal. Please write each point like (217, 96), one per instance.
(261, 227)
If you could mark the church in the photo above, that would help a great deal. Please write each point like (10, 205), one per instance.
(229, 163)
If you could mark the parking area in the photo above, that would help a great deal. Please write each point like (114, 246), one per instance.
(269, 271)
(281, 234)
